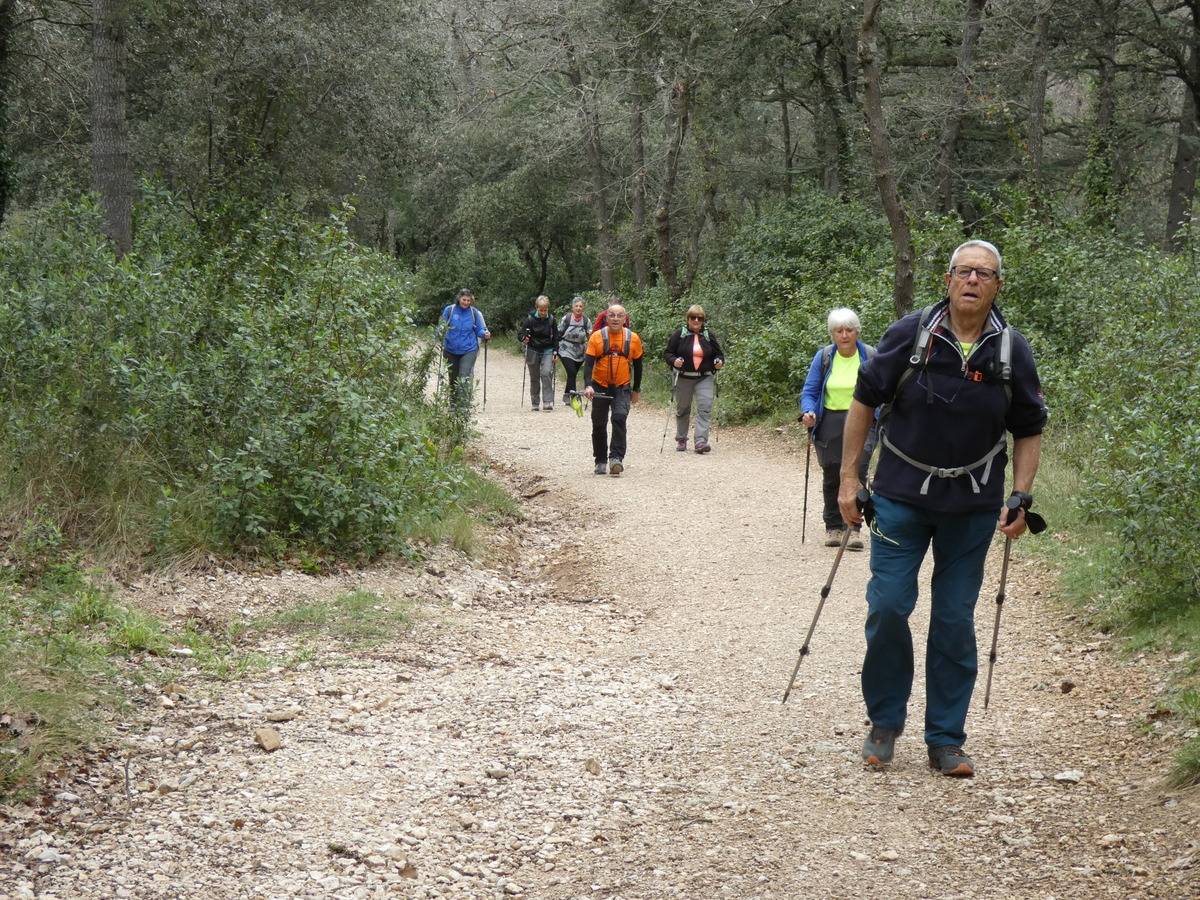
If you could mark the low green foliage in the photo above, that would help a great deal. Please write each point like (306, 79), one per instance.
(357, 617)
(242, 381)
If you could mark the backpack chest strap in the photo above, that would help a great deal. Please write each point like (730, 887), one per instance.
(954, 472)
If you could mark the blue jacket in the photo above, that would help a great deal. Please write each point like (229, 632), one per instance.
(464, 328)
(950, 413)
(812, 398)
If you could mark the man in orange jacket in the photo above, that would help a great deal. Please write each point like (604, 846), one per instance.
(612, 375)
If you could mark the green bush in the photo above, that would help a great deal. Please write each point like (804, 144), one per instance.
(226, 382)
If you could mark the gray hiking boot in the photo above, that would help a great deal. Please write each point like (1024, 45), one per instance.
(615, 467)
(681, 444)
(833, 537)
(879, 747)
(950, 760)
(856, 541)
(601, 469)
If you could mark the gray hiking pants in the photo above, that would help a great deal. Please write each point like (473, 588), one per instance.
(703, 390)
(541, 376)
(462, 375)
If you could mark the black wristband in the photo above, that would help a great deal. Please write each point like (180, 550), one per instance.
(1026, 499)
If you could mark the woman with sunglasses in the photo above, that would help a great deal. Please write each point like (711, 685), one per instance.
(824, 403)
(695, 356)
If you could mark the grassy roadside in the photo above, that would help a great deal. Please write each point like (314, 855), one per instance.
(1093, 577)
(74, 659)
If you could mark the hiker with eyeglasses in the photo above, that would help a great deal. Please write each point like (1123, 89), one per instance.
(954, 380)
(695, 356)
(824, 402)
(612, 377)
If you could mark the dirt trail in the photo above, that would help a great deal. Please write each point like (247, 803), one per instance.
(596, 714)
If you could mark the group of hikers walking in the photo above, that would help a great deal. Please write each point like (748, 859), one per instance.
(940, 395)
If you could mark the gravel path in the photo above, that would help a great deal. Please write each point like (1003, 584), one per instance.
(593, 711)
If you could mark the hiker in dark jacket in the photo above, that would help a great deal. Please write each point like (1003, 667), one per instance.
(695, 354)
(573, 333)
(939, 482)
(827, 393)
(464, 328)
(539, 334)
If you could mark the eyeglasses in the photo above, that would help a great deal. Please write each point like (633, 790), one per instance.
(697, 318)
(984, 275)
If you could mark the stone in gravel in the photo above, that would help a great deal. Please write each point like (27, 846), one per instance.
(1067, 686)
(592, 766)
(408, 870)
(498, 774)
(513, 888)
(861, 857)
(1111, 840)
(1071, 776)
(889, 856)
(282, 715)
(67, 797)
(268, 739)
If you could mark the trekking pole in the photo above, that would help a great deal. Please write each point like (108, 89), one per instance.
(807, 465)
(485, 343)
(1036, 526)
(862, 500)
(713, 412)
(553, 378)
(670, 409)
(524, 371)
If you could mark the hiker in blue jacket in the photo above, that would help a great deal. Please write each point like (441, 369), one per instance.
(827, 393)
(464, 329)
(955, 381)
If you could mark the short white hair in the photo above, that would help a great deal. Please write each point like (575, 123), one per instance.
(841, 318)
(982, 245)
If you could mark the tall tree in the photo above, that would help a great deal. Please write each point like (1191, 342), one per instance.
(972, 25)
(881, 156)
(111, 173)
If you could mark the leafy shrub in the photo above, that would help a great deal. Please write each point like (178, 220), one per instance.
(212, 391)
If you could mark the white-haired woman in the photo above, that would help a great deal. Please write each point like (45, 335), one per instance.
(824, 402)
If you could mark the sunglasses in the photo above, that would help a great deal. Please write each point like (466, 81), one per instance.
(697, 318)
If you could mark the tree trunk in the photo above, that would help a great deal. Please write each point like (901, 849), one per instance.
(6, 29)
(1037, 97)
(679, 107)
(1183, 178)
(953, 121)
(111, 175)
(708, 209)
(387, 232)
(589, 123)
(881, 157)
(835, 141)
(637, 249)
(785, 116)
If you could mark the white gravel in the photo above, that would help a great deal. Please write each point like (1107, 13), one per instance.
(593, 711)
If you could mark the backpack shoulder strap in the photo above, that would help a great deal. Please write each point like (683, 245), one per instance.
(826, 358)
(920, 350)
(605, 341)
(1005, 373)
(628, 340)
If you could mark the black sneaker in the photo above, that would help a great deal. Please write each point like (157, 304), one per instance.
(950, 760)
(879, 746)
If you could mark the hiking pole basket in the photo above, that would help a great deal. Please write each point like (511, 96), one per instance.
(862, 500)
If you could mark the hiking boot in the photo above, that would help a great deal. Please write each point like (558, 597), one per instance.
(681, 445)
(615, 467)
(601, 469)
(856, 541)
(950, 760)
(533, 408)
(833, 537)
(548, 407)
(566, 398)
(702, 447)
(879, 747)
